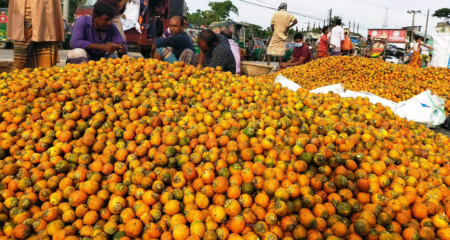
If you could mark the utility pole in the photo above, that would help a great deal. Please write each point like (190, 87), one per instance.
(308, 27)
(331, 10)
(426, 27)
(358, 29)
(324, 22)
(414, 14)
(353, 26)
(66, 10)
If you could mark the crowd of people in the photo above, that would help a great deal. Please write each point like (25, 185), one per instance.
(337, 40)
(37, 31)
(102, 36)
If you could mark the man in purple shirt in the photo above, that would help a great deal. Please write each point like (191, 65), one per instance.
(118, 5)
(95, 37)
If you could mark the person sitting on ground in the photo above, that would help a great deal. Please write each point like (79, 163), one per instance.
(167, 34)
(177, 47)
(215, 51)
(94, 37)
(238, 53)
(301, 53)
(118, 6)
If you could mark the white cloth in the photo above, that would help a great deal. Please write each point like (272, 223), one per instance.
(423, 50)
(337, 36)
(131, 13)
(237, 57)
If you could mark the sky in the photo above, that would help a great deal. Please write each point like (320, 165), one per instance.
(368, 13)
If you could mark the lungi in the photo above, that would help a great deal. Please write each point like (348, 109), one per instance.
(277, 46)
(415, 60)
(28, 54)
(336, 51)
(322, 54)
(187, 56)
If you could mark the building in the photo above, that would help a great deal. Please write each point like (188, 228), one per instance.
(443, 27)
(409, 30)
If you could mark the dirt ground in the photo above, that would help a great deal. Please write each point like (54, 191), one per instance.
(6, 67)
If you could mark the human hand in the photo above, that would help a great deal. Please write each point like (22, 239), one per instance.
(123, 16)
(122, 49)
(283, 65)
(110, 47)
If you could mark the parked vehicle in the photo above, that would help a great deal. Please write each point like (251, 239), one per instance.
(136, 40)
(394, 51)
(4, 43)
(288, 53)
(258, 50)
(393, 60)
(241, 31)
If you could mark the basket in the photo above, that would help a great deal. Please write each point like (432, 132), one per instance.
(254, 70)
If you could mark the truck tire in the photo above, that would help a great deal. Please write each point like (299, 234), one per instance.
(145, 52)
(3, 45)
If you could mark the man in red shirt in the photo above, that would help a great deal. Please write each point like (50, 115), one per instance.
(301, 53)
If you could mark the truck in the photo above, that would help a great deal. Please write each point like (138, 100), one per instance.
(4, 43)
(135, 40)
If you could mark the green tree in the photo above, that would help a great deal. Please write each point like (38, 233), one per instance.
(333, 22)
(443, 14)
(200, 17)
(258, 31)
(221, 10)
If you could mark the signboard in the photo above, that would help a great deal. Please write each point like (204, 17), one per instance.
(389, 35)
(3, 23)
(3, 17)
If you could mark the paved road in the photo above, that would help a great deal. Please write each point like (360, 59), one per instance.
(7, 55)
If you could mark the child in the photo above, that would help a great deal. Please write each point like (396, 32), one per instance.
(324, 43)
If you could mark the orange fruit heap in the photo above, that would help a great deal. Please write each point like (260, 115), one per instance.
(142, 149)
(394, 82)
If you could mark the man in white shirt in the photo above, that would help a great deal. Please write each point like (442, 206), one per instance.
(337, 36)
(234, 48)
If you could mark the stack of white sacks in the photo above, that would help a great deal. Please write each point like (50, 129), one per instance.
(425, 108)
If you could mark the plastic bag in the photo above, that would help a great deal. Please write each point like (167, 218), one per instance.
(377, 99)
(416, 112)
(441, 50)
(286, 83)
(424, 108)
(336, 88)
(372, 98)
